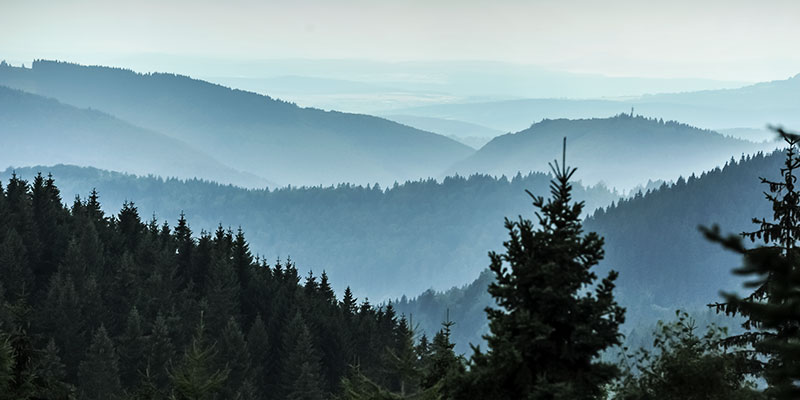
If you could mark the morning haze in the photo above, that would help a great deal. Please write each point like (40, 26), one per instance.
(449, 200)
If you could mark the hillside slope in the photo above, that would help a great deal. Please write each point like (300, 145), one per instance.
(250, 132)
(35, 130)
(653, 241)
(622, 151)
(405, 239)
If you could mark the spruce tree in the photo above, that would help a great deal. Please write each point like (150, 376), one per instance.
(223, 294)
(98, 374)
(194, 378)
(258, 346)
(301, 369)
(234, 356)
(403, 360)
(326, 290)
(50, 374)
(772, 310)
(159, 351)
(349, 303)
(93, 208)
(552, 323)
(131, 349)
(61, 318)
(242, 258)
(443, 368)
(129, 225)
(7, 365)
(17, 276)
(48, 217)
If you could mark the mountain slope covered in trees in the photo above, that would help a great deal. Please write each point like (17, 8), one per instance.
(653, 241)
(373, 238)
(449, 227)
(622, 151)
(34, 130)
(99, 306)
(267, 137)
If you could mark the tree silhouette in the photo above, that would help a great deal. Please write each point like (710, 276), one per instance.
(551, 324)
(772, 310)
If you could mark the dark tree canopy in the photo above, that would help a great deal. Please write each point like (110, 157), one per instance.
(97, 306)
(772, 309)
(551, 324)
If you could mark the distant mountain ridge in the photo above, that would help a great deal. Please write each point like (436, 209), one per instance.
(472, 135)
(622, 151)
(752, 106)
(255, 133)
(36, 130)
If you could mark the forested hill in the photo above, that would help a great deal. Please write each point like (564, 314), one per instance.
(653, 241)
(270, 138)
(34, 130)
(623, 151)
(109, 306)
(382, 242)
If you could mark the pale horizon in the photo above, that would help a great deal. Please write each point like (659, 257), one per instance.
(743, 41)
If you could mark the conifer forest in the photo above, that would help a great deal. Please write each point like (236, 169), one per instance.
(419, 200)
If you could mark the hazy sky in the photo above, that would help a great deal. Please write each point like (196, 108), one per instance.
(725, 39)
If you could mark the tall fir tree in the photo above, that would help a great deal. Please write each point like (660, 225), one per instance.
(18, 278)
(772, 310)
(234, 355)
(8, 364)
(185, 245)
(258, 346)
(242, 258)
(442, 367)
(223, 294)
(98, 374)
(51, 374)
(403, 360)
(552, 323)
(159, 351)
(301, 369)
(131, 349)
(349, 302)
(195, 378)
(60, 316)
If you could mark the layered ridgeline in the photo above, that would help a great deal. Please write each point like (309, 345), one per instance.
(427, 234)
(106, 306)
(382, 242)
(36, 130)
(273, 139)
(750, 106)
(622, 151)
(653, 241)
(472, 135)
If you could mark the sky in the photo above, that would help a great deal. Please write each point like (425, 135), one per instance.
(713, 39)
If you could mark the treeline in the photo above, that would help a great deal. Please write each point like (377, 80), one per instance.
(103, 307)
(98, 306)
(352, 231)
